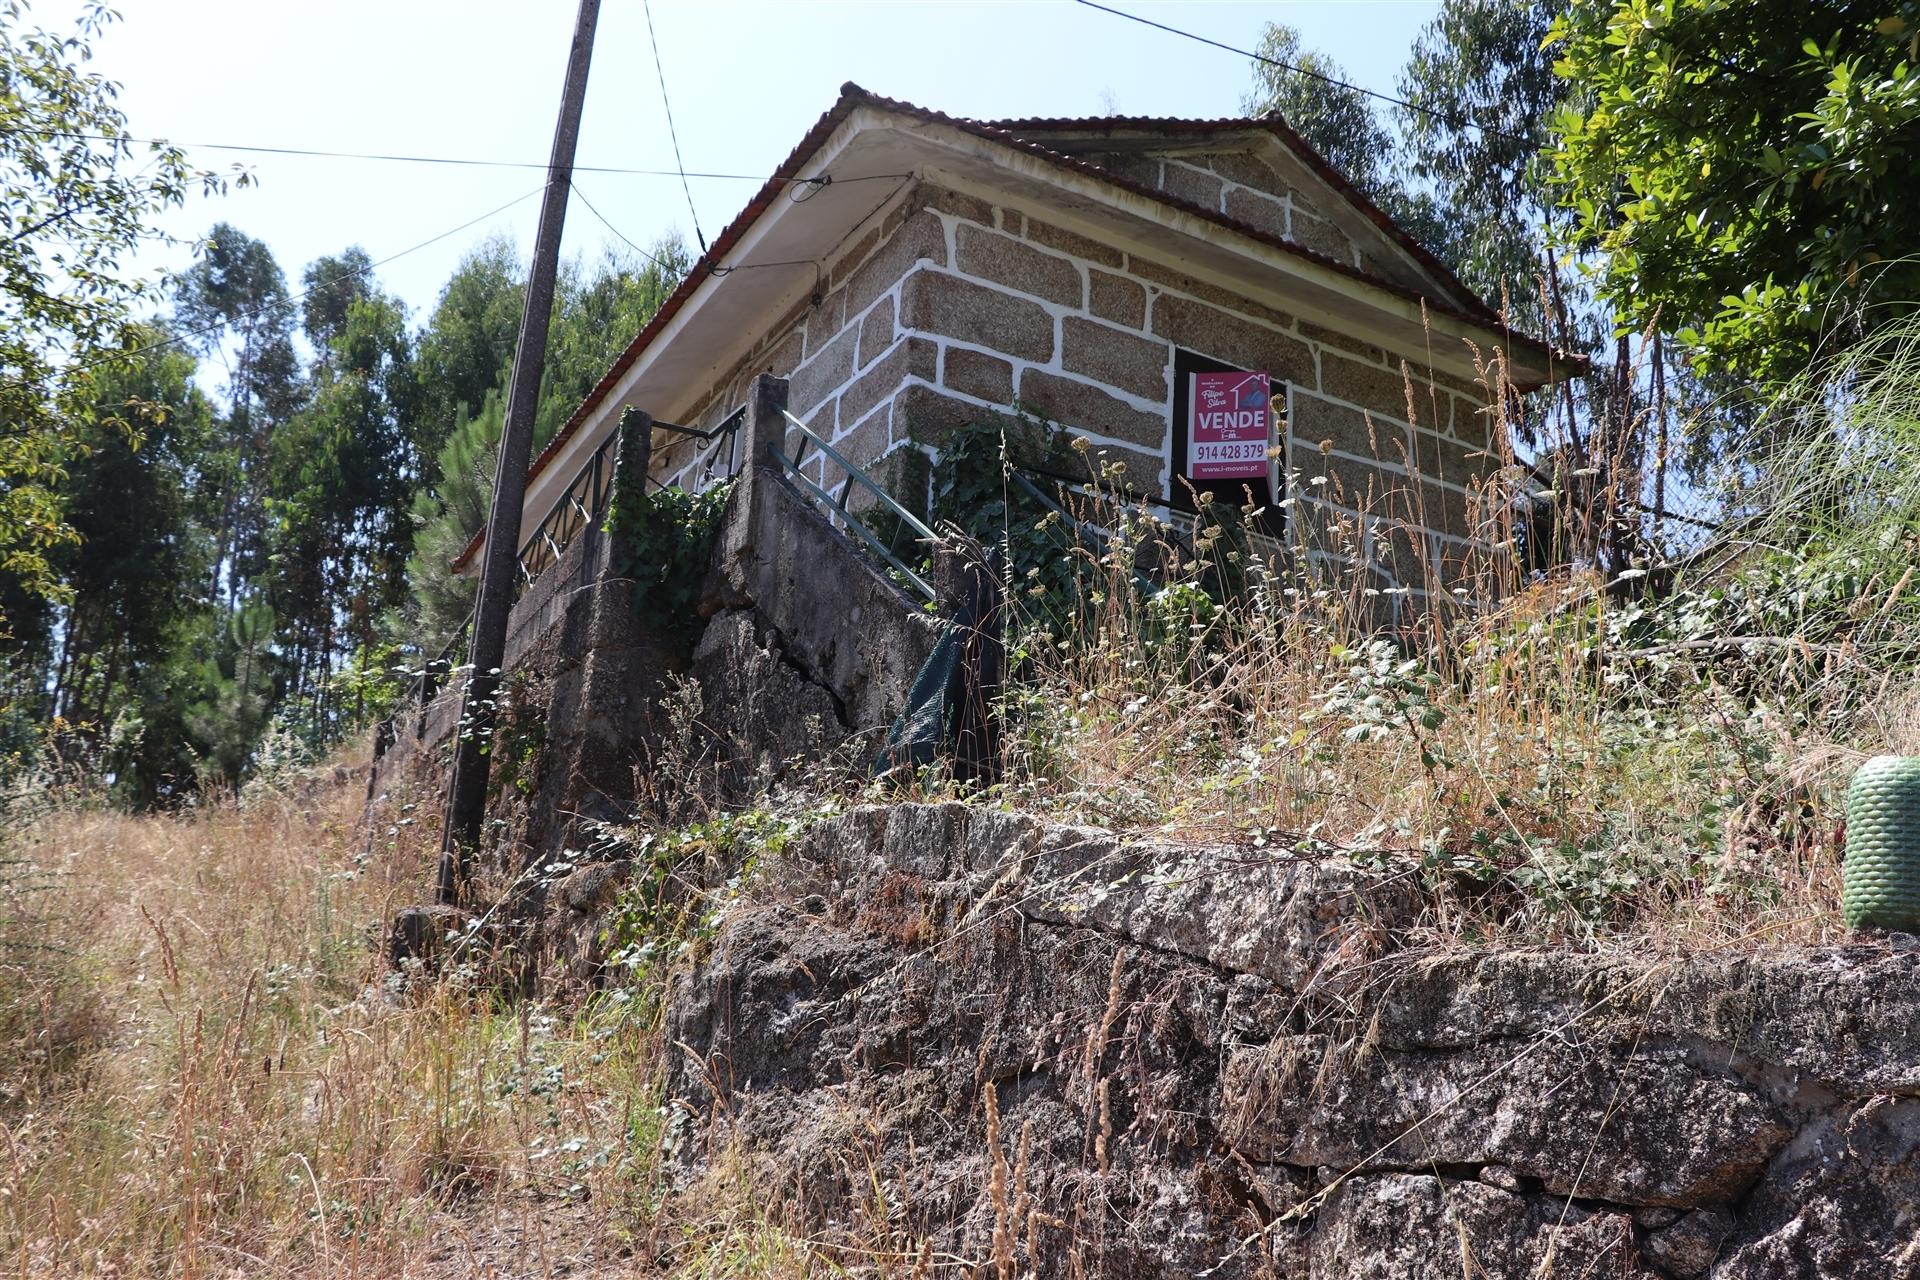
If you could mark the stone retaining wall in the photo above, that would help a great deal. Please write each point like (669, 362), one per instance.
(1226, 1062)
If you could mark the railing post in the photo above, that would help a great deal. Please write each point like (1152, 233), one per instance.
(969, 592)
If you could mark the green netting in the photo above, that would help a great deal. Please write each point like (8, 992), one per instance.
(923, 731)
(1882, 872)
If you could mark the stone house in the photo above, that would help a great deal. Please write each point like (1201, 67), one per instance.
(909, 272)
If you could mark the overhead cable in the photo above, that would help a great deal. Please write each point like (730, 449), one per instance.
(1458, 121)
(177, 339)
(672, 134)
(379, 156)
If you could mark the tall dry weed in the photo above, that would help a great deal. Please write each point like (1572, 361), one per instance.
(253, 1094)
(1548, 751)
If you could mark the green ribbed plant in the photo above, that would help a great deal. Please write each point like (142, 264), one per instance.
(1882, 873)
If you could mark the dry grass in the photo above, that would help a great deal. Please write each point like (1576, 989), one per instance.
(209, 1072)
(1538, 750)
(248, 1097)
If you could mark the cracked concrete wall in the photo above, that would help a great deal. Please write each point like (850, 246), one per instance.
(1209, 1061)
(808, 649)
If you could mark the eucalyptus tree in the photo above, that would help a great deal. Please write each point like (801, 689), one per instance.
(234, 304)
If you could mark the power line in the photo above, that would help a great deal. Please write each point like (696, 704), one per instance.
(671, 132)
(671, 271)
(178, 338)
(379, 156)
(1457, 121)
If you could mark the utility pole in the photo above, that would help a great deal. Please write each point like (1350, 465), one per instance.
(500, 562)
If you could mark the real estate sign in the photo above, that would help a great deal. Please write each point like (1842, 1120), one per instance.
(1230, 425)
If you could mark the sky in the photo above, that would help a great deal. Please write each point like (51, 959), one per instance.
(481, 79)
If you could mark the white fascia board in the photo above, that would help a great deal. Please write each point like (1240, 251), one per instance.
(737, 301)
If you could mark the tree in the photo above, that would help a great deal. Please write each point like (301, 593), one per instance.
(594, 318)
(237, 690)
(1482, 90)
(75, 199)
(330, 286)
(139, 566)
(1744, 171)
(1461, 166)
(1337, 121)
(341, 473)
(446, 516)
(467, 345)
(233, 302)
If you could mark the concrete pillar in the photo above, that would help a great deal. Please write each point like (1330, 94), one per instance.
(633, 454)
(766, 424)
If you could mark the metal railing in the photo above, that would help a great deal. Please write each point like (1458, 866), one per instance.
(421, 690)
(1100, 538)
(583, 505)
(834, 507)
(728, 426)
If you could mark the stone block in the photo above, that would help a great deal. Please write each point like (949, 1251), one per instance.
(1419, 1227)
(781, 359)
(1438, 458)
(1688, 1247)
(850, 260)
(1316, 423)
(1249, 171)
(1339, 341)
(862, 442)
(1319, 526)
(1225, 336)
(977, 374)
(1256, 210)
(822, 374)
(1195, 186)
(1127, 166)
(937, 303)
(1085, 407)
(1117, 358)
(912, 356)
(876, 333)
(1432, 407)
(1070, 242)
(1473, 420)
(1308, 202)
(1117, 299)
(925, 415)
(1451, 511)
(1400, 546)
(920, 238)
(1353, 485)
(1320, 236)
(1384, 391)
(1133, 471)
(947, 200)
(1179, 281)
(1839, 1202)
(989, 255)
(422, 933)
(906, 473)
(1632, 1128)
(824, 321)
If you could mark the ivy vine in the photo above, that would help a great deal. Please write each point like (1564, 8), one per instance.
(662, 541)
